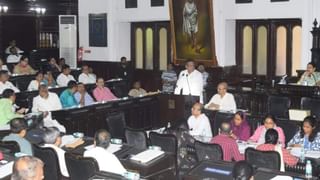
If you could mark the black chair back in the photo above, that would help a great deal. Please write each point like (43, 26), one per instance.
(291, 128)
(264, 159)
(136, 138)
(219, 118)
(206, 151)
(50, 159)
(279, 106)
(116, 125)
(79, 167)
(11, 146)
(167, 142)
(311, 104)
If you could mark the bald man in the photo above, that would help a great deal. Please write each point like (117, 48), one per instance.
(223, 100)
(27, 168)
(199, 124)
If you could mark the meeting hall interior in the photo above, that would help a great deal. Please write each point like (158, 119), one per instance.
(159, 89)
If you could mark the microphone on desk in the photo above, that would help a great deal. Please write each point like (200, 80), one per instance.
(188, 84)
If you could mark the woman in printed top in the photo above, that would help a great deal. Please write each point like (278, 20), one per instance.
(240, 127)
(268, 123)
(308, 137)
(271, 145)
(102, 93)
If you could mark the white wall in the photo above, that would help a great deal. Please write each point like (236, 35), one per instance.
(225, 12)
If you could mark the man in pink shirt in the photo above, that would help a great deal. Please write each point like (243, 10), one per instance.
(227, 143)
(102, 93)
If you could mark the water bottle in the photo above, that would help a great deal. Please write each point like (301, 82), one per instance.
(308, 170)
(302, 155)
(168, 125)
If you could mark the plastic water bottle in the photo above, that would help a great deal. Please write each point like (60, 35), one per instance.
(302, 155)
(308, 170)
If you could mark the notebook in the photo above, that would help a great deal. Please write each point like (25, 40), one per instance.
(147, 155)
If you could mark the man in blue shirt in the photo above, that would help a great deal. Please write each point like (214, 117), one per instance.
(66, 97)
(18, 128)
(82, 96)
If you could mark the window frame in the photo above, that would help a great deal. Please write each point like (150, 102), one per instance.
(271, 25)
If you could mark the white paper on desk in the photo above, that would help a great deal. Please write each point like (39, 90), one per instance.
(6, 170)
(244, 145)
(313, 154)
(67, 139)
(114, 148)
(279, 177)
(147, 155)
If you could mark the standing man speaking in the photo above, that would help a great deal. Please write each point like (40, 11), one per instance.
(190, 81)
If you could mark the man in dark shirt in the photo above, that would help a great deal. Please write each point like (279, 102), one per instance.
(125, 71)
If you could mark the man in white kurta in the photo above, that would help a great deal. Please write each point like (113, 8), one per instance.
(190, 81)
(46, 102)
(5, 84)
(223, 100)
(106, 160)
(65, 76)
(85, 77)
(199, 124)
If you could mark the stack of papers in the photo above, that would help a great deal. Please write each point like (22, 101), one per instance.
(296, 151)
(6, 169)
(244, 145)
(147, 155)
(279, 177)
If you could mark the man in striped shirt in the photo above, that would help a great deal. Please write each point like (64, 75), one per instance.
(228, 144)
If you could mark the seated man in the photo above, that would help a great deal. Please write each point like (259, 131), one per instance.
(82, 96)
(227, 143)
(86, 77)
(14, 56)
(23, 67)
(27, 168)
(67, 96)
(7, 111)
(270, 144)
(106, 160)
(223, 100)
(199, 123)
(52, 139)
(18, 128)
(137, 90)
(46, 102)
(65, 76)
(5, 84)
(102, 93)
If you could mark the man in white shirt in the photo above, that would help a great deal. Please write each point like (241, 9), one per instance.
(85, 77)
(5, 84)
(190, 81)
(199, 124)
(52, 139)
(14, 57)
(65, 76)
(13, 44)
(46, 102)
(223, 100)
(106, 160)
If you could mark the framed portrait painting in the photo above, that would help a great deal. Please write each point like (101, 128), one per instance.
(192, 31)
